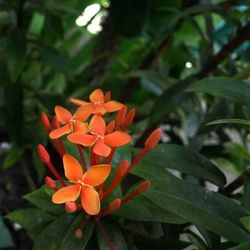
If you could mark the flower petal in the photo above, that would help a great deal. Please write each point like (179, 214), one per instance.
(65, 194)
(97, 96)
(59, 132)
(117, 139)
(82, 138)
(98, 109)
(90, 200)
(97, 174)
(97, 125)
(101, 148)
(83, 112)
(62, 114)
(72, 168)
(79, 102)
(112, 106)
(80, 127)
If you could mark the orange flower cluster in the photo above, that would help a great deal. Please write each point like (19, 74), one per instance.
(84, 188)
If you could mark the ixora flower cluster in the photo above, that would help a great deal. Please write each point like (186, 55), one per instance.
(84, 188)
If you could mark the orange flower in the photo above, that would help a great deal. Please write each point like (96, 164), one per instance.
(83, 184)
(71, 123)
(97, 104)
(101, 143)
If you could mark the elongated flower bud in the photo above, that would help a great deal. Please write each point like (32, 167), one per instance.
(50, 183)
(110, 127)
(55, 122)
(130, 117)
(70, 207)
(43, 154)
(143, 187)
(153, 139)
(45, 122)
(107, 96)
(121, 116)
(113, 206)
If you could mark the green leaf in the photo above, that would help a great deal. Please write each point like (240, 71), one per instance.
(30, 217)
(246, 222)
(51, 237)
(70, 242)
(185, 160)
(5, 237)
(142, 209)
(13, 156)
(42, 200)
(225, 87)
(194, 203)
(16, 53)
(243, 246)
(115, 235)
(239, 122)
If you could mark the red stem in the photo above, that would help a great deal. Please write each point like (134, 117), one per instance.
(105, 235)
(138, 158)
(82, 157)
(92, 157)
(55, 173)
(61, 145)
(57, 148)
(110, 157)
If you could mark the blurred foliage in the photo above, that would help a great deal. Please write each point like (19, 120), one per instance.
(181, 64)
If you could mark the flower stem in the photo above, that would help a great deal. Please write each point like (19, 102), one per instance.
(82, 157)
(105, 235)
(55, 173)
(109, 158)
(138, 158)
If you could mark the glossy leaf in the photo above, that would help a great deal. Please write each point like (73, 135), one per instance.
(70, 242)
(185, 160)
(237, 122)
(232, 89)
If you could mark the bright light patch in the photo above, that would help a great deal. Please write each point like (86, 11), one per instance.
(89, 12)
(188, 65)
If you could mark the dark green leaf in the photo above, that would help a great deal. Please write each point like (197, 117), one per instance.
(239, 122)
(70, 242)
(52, 236)
(185, 160)
(5, 237)
(194, 203)
(115, 235)
(143, 209)
(13, 156)
(42, 200)
(16, 53)
(225, 87)
(30, 217)
(243, 246)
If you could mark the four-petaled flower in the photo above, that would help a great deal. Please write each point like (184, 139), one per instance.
(83, 184)
(101, 143)
(71, 123)
(97, 104)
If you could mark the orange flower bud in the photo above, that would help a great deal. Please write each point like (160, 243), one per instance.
(43, 154)
(153, 139)
(70, 207)
(107, 96)
(50, 183)
(122, 168)
(78, 234)
(110, 127)
(46, 123)
(121, 116)
(130, 117)
(55, 122)
(114, 205)
(143, 187)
